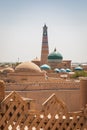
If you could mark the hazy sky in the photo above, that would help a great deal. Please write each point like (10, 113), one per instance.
(21, 23)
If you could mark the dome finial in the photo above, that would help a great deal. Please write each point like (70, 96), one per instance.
(55, 49)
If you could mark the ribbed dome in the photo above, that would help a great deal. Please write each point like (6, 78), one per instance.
(55, 56)
(27, 67)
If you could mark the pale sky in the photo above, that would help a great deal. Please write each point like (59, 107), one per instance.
(21, 23)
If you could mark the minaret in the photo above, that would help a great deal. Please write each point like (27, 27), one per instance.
(45, 48)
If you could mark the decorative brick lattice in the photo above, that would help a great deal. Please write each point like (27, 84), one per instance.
(16, 115)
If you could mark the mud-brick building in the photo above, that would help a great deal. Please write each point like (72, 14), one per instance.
(53, 59)
(17, 112)
(31, 82)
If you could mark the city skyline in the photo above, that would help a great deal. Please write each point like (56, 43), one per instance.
(22, 22)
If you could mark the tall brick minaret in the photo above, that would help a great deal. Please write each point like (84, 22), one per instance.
(45, 48)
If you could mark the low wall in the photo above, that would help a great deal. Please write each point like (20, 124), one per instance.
(70, 97)
(40, 91)
(42, 86)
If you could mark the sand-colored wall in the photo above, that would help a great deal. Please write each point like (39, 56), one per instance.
(30, 86)
(25, 76)
(64, 64)
(70, 97)
(68, 91)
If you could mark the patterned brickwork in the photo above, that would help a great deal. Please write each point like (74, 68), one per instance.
(45, 47)
(47, 85)
(16, 115)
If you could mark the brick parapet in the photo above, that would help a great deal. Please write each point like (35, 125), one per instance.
(32, 86)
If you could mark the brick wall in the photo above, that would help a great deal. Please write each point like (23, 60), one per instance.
(68, 91)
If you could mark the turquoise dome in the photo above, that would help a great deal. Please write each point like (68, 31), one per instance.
(68, 70)
(45, 67)
(57, 70)
(62, 70)
(55, 56)
(78, 68)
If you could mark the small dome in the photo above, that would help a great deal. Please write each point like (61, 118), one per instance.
(28, 67)
(62, 70)
(8, 70)
(45, 67)
(55, 56)
(78, 68)
(68, 70)
(57, 70)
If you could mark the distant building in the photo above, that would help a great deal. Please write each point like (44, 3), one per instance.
(53, 59)
(45, 48)
(30, 80)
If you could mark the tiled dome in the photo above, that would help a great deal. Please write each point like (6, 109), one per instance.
(55, 56)
(78, 68)
(45, 67)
